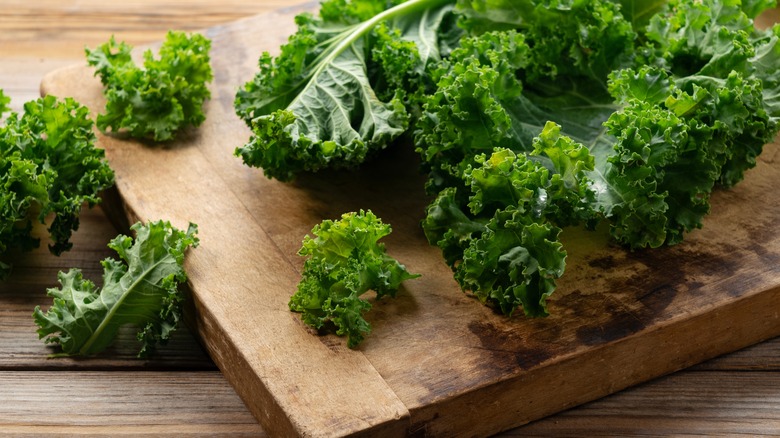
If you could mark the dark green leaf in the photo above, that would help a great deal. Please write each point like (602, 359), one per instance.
(49, 168)
(330, 98)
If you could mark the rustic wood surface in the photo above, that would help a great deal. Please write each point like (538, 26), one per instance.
(737, 394)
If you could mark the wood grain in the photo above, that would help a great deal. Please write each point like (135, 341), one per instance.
(761, 357)
(747, 406)
(619, 318)
(37, 403)
(61, 29)
(20, 77)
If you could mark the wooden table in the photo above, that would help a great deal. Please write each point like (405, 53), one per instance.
(180, 390)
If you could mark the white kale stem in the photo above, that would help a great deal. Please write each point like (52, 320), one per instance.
(350, 36)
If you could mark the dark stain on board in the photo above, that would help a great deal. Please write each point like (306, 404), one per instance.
(619, 325)
(628, 304)
(604, 263)
(761, 235)
(508, 349)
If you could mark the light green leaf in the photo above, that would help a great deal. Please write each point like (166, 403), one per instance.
(140, 289)
(345, 260)
(164, 96)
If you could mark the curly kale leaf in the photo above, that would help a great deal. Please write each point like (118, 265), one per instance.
(587, 38)
(449, 225)
(483, 102)
(674, 146)
(343, 86)
(697, 115)
(692, 109)
(49, 168)
(344, 261)
(466, 114)
(161, 98)
(648, 121)
(140, 289)
(503, 244)
(4, 101)
(715, 46)
(514, 263)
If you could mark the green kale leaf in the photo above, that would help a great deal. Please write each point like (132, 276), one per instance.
(345, 261)
(343, 86)
(587, 38)
(667, 112)
(4, 101)
(688, 108)
(49, 168)
(140, 289)
(503, 244)
(161, 98)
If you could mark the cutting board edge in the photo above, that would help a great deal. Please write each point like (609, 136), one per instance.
(713, 340)
(260, 401)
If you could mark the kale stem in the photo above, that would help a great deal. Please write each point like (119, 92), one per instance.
(353, 34)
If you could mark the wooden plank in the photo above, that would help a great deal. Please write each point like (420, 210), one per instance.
(762, 357)
(203, 404)
(655, 407)
(57, 29)
(20, 78)
(726, 404)
(619, 318)
(121, 403)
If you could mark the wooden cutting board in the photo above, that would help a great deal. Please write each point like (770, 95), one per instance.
(438, 363)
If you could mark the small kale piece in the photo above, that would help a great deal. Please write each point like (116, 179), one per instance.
(344, 261)
(140, 289)
(49, 168)
(4, 101)
(161, 98)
